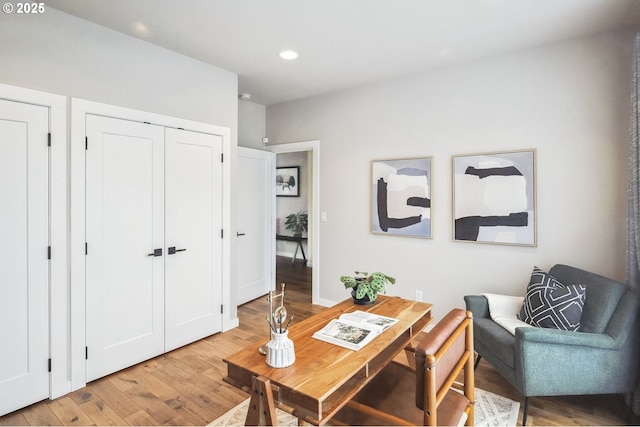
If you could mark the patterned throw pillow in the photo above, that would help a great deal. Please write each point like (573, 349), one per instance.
(550, 304)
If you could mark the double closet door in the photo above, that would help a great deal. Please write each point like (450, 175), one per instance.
(154, 244)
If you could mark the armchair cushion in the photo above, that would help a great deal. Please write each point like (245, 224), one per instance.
(496, 339)
(550, 304)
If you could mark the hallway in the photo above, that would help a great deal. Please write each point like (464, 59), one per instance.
(295, 275)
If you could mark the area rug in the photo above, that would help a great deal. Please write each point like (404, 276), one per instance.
(491, 410)
(495, 410)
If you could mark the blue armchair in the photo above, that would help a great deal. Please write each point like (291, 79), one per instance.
(602, 358)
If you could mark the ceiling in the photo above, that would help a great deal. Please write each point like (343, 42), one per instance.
(347, 43)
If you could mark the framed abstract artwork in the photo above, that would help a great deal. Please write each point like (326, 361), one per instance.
(288, 181)
(401, 197)
(494, 198)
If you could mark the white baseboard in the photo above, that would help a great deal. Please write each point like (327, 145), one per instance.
(228, 324)
(324, 302)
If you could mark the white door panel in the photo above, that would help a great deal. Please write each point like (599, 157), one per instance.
(24, 237)
(125, 220)
(255, 263)
(193, 275)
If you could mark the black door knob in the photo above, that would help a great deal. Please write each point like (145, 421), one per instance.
(172, 250)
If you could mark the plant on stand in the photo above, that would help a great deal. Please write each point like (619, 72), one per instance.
(365, 287)
(297, 223)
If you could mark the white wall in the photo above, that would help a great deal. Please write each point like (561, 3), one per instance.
(252, 126)
(569, 101)
(60, 53)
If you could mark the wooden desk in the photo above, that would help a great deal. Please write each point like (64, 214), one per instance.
(324, 376)
(299, 240)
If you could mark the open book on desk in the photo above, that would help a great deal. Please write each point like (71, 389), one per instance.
(354, 330)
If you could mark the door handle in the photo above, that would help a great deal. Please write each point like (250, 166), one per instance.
(239, 234)
(172, 250)
(156, 252)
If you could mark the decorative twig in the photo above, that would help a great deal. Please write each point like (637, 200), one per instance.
(270, 325)
(286, 328)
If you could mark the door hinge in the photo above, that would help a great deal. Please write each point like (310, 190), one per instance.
(48, 252)
(86, 142)
(49, 140)
(86, 248)
(221, 157)
(221, 308)
(86, 353)
(222, 233)
(49, 365)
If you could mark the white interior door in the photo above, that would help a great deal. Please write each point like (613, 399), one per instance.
(24, 237)
(193, 275)
(124, 230)
(255, 263)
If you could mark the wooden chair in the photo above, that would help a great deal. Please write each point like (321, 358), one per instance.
(440, 356)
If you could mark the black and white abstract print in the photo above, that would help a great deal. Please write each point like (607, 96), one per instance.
(402, 197)
(494, 198)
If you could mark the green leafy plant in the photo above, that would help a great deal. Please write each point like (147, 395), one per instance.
(366, 284)
(297, 222)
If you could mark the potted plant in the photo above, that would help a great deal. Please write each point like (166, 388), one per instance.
(297, 223)
(365, 287)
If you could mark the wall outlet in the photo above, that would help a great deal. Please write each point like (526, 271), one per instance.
(418, 296)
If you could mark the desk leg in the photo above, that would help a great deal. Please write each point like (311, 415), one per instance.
(295, 254)
(304, 257)
(262, 409)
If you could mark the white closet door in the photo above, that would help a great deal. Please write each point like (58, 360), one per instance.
(193, 275)
(24, 237)
(255, 264)
(124, 227)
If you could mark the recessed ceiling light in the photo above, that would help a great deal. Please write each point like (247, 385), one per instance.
(288, 54)
(245, 96)
(140, 29)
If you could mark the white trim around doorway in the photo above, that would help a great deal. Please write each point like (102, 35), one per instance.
(314, 247)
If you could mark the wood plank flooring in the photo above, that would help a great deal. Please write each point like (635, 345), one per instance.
(185, 386)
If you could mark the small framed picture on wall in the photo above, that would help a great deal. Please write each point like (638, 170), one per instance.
(288, 181)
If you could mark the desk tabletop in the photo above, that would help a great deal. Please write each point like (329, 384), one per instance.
(325, 375)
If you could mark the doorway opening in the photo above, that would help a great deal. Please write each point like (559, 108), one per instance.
(297, 277)
(297, 259)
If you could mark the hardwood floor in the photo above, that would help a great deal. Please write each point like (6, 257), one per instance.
(595, 410)
(185, 386)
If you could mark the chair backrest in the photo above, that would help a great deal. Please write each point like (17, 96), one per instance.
(602, 295)
(441, 355)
